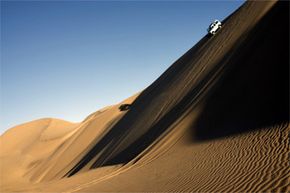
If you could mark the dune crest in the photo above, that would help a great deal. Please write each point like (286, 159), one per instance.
(216, 121)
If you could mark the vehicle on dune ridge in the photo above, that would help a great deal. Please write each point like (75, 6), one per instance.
(214, 27)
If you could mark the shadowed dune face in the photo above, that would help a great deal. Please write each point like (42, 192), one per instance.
(192, 78)
(254, 91)
(229, 95)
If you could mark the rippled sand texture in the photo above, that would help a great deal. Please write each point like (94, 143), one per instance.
(216, 121)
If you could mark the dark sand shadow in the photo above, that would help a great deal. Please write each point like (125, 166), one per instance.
(129, 118)
(254, 92)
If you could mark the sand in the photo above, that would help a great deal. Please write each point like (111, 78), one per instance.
(216, 121)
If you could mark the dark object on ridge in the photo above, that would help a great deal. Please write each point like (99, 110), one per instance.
(125, 107)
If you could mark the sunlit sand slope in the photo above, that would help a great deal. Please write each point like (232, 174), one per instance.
(215, 121)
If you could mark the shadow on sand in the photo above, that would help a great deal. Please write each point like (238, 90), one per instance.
(254, 92)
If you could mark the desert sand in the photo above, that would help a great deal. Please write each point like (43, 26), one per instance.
(216, 121)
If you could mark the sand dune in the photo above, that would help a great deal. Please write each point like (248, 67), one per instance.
(216, 121)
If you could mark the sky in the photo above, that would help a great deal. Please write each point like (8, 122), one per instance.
(67, 59)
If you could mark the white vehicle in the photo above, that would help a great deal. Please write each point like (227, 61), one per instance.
(214, 27)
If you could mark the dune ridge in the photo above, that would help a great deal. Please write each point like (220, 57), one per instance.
(216, 121)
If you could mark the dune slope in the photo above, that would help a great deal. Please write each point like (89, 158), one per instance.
(216, 120)
(243, 48)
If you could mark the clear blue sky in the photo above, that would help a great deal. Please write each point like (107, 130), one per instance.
(68, 59)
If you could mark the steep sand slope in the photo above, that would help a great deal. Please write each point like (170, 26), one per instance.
(216, 120)
(239, 47)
